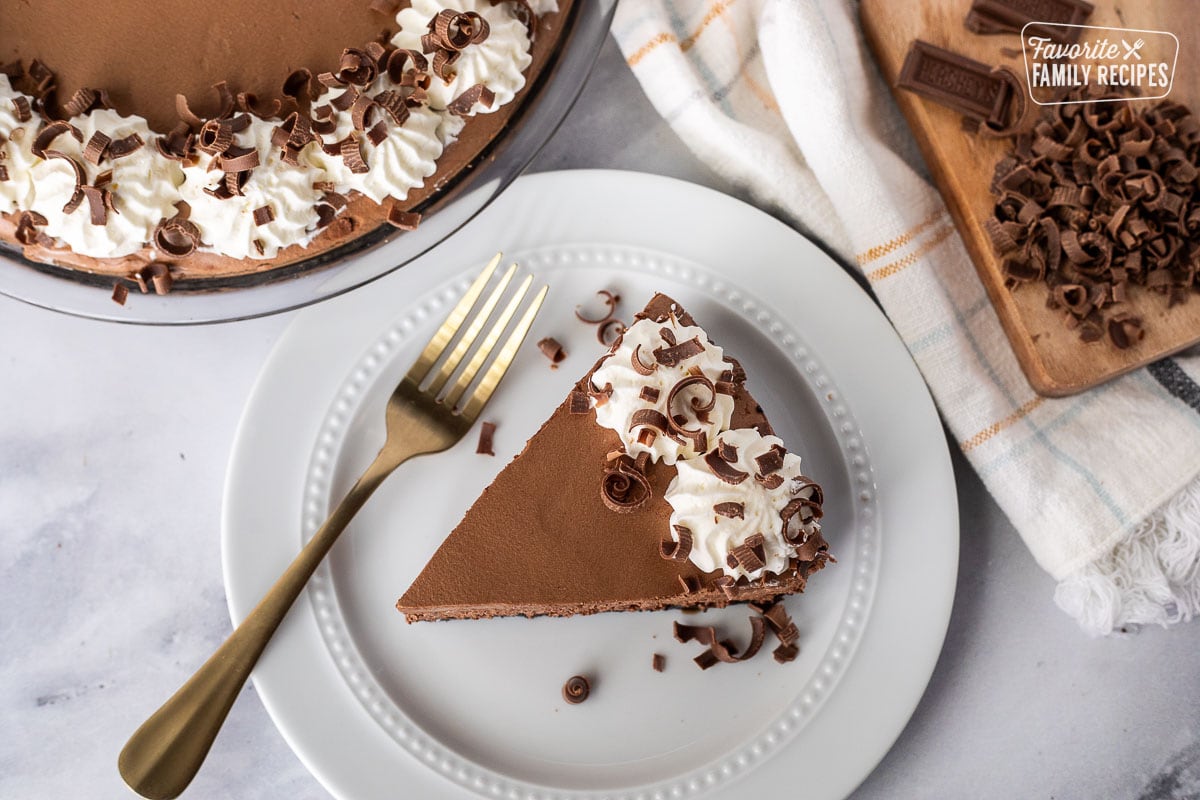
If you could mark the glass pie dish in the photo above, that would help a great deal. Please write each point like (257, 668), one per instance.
(360, 260)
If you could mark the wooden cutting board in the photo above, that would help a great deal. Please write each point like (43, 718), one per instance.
(1054, 359)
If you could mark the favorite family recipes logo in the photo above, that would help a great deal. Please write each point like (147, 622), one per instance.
(1122, 63)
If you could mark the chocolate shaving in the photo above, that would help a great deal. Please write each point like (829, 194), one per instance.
(552, 350)
(610, 303)
(524, 14)
(461, 106)
(487, 432)
(723, 469)
(1095, 200)
(688, 583)
(638, 366)
(747, 556)
(674, 355)
(610, 331)
(576, 689)
(99, 203)
(301, 86)
(679, 548)
(77, 197)
(215, 136)
(667, 336)
(730, 509)
(392, 102)
(624, 488)
(772, 481)
(727, 452)
(119, 148)
(658, 662)
(94, 151)
(770, 461)
(120, 294)
(81, 102)
(351, 154)
(27, 224)
(263, 215)
(51, 132)
(250, 103)
(699, 407)
(579, 403)
(177, 236)
(649, 394)
(404, 220)
(650, 417)
(237, 159)
(722, 650)
(22, 109)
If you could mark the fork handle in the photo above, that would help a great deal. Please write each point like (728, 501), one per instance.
(163, 755)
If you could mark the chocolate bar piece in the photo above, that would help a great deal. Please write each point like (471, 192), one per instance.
(1010, 16)
(969, 87)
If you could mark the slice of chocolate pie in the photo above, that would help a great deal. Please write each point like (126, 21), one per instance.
(658, 482)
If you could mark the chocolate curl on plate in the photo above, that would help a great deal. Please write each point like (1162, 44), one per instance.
(723, 650)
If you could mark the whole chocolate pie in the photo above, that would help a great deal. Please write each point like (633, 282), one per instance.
(657, 483)
(204, 141)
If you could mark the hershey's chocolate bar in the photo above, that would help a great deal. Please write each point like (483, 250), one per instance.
(1010, 16)
(957, 82)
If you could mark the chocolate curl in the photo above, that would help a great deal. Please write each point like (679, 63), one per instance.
(610, 332)
(77, 196)
(610, 304)
(677, 549)
(397, 64)
(124, 146)
(359, 110)
(51, 132)
(215, 137)
(701, 408)
(250, 103)
(351, 153)
(177, 144)
(639, 367)
(623, 488)
(393, 103)
(676, 354)
(723, 650)
(356, 67)
(301, 87)
(462, 105)
(83, 101)
(27, 224)
(723, 469)
(22, 108)
(99, 203)
(97, 146)
(177, 236)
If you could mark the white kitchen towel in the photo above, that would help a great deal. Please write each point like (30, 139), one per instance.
(781, 98)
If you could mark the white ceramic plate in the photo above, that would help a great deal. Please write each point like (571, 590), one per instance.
(380, 709)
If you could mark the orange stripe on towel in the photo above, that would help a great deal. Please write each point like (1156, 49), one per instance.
(714, 12)
(996, 427)
(899, 264)
(890, 246)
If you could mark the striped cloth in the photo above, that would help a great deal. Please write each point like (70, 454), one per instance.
(781, 98)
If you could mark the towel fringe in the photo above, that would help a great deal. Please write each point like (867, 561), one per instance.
(1151, 577)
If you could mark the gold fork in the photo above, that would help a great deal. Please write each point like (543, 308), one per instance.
(163, 755)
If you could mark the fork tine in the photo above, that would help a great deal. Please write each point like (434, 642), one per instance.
(468, 338)
(437, 344)
(489, 343)
(491, 378)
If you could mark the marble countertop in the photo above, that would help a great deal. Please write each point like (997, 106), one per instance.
(113, 447)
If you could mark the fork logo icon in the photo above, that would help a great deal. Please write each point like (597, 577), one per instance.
(1132, 49)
